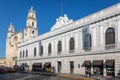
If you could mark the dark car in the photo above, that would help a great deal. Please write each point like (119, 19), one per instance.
(11, 69)
(3, 70)
(36, 69)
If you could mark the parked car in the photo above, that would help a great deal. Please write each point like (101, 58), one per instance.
(3, 70)
(11, 69)
(36, 69)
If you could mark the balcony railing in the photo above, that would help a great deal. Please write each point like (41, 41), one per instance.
(111, 46)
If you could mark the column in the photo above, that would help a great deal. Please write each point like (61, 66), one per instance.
(94, 38)
(104, 68)
(76, 43)
(119, 31)
(91, 67)
(30, 65)
(101, 35)
(81, 41)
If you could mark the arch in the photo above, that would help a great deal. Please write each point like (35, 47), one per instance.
(71, 44)
(15, 40)
(49, 49)
(110, 36)
(59, 46)
(34, 51)
(33, 32)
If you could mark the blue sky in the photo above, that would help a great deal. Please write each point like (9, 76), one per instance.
(47, 11)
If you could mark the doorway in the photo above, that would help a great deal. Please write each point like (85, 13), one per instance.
(71, 66)
(59, 66)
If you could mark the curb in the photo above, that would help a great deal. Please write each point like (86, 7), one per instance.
(57, 75)
(74, 78)
(41, 73)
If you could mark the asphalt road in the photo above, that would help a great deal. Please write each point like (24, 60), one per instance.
(26, 76)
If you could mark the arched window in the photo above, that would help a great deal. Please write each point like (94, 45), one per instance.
(33, 32)
(34, 51)
(26, 53)
(71, 44)
(20, 54)
(32, 23)
(49, 49)
(59, 46)
(23, 53)
(110, 36)
(41, 50)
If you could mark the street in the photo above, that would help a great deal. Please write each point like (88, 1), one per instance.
(26, 76)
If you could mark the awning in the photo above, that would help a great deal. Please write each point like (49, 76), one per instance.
(109, 63)
(37, 64)
(47, 64)
(86, 63)
(97, 63)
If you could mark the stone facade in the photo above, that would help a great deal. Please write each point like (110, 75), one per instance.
(88, 43)
(2, 61)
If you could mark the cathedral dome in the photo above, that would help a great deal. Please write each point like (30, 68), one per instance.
(61, 21)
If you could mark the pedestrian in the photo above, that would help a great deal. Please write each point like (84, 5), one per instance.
(89, 72)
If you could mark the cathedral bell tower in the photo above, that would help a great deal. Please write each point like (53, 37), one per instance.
(31, 30)
(10, 31)
(11, 45)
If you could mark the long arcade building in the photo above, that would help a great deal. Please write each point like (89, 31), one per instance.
(92, 42)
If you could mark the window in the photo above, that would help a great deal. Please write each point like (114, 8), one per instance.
(23, 53)
(71, 44)
(110, 36)
(41, 50)
(32, 23)
(26, 53)
(49, 49)
(87, 41)
(34, 51)
(59, 46)
(86, 38)
(33, 32)
(20, 54)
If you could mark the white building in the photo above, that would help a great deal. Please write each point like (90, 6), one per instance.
(92, 42)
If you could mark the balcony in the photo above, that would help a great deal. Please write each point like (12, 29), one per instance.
(111, 46)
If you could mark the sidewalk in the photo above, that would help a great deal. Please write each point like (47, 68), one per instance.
(73, 76)
(63, 75)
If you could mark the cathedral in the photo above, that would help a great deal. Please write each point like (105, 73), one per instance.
(90, 43)
(13, 38)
